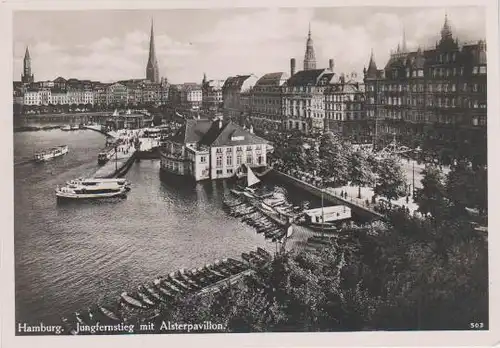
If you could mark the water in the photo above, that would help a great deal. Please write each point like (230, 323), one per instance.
(69, 256)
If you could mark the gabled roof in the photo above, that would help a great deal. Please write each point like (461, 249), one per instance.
(235, 81)
(230, 134)
(305, 78)
(192, 131)
(271, 79)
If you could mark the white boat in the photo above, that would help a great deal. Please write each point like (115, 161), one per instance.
(95, 182)
(92, 189)
(75, 127)
(51, 153)
(327, 214)
(66, 128)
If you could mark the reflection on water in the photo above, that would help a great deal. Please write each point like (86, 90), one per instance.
(69, 256)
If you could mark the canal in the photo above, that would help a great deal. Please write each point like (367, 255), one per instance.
(68, 257)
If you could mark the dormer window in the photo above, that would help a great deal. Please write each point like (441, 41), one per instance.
(475, 70)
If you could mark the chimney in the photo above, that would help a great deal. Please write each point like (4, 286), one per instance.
(331, 64)
(292, 67)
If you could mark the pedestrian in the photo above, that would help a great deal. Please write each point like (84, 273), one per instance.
(342, 193)
(407, 199)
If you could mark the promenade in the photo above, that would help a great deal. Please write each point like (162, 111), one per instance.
(123, 157)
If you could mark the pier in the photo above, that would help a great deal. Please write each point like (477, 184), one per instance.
(123, 158)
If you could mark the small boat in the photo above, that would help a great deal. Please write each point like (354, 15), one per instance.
(93, 189)
(144, 298)
(78, 317)
(131, 301)
(153, 293)
(171, 286)
(169, 294)
(105, 156)
(264, 253)
(109, 314)
(75, 127)
(326, 227)
(267, 208)
(68, 326)
(213, 271)
(51, 153)
(66, 128)
(179, 283)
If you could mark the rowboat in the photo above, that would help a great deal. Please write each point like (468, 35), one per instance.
(131, 301)
(109, 314)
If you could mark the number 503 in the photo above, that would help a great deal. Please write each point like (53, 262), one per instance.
(476, 325)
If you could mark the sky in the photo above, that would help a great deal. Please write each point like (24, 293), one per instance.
(110, 45)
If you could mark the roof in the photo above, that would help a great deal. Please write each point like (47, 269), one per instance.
(215, 84)
(192, 131)
(235, 81)
(208, 132)
(272, 79)
(305, 78)
(230, 134)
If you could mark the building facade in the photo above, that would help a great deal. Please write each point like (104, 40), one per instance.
(303, 102)
(212, 94)
(266, 110)
(443, 87)
(212, 149)
(236, 96)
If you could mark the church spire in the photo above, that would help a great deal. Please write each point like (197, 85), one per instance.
(152, 73)
(372, 67)
(405, 49)
(446, 31)
(27, 76)
(309, 57)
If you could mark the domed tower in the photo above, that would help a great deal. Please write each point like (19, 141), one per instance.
(309, 57)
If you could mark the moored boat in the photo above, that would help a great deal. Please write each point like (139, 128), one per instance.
(131, 301)
(108, 313)
(93, 189)
(51, 153)
(66, 127)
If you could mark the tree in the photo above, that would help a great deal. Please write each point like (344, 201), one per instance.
(333, 156)
(391, 181)
(431, 198)
(359, 170)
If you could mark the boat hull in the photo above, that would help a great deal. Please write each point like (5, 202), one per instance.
(81, 196)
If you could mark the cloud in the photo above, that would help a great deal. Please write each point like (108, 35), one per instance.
(257, 41)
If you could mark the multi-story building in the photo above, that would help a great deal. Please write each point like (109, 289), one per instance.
(191, 96)
(60, 83)
(116, 95)
(344, 108)
(444, 86)
(151, 93)
(32, 97)
(59, 97)
(205, 149)
(303, 103)
(212, 94)
(266, 111)
(236, 96)
(100, 94)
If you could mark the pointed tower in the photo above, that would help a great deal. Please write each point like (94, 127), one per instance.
(446, 31)
(27, 76)
(309, 57)
(152, 71)
(372, 67)
(405, 48)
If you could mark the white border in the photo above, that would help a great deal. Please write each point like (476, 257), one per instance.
(452, 338)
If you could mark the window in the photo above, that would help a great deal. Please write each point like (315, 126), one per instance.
(482, 70)
(230, 171)
(475, 87)
(203, 159)
(219, 171)
(249, 158)
(464, 87)
(238, 159)
(229, 160)
(420, 73)
(474, 70)
(218, 162)
(259, 159)
(453, 87)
